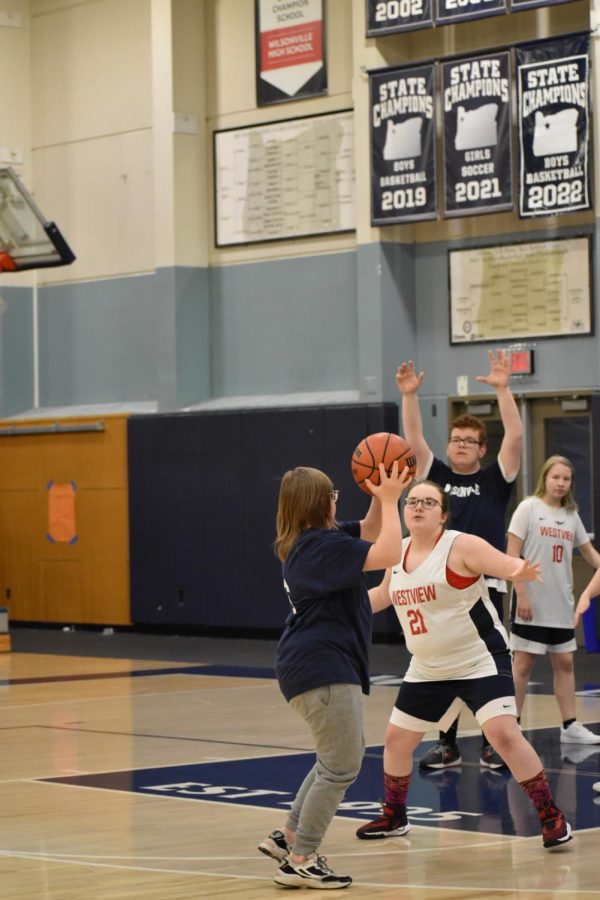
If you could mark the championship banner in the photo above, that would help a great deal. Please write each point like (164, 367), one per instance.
(554, 126)
(403, 176)
(290, 55)
(398, 15)
(477, 136)
(448, 11)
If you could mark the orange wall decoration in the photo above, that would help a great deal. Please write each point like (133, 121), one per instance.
(61, 512)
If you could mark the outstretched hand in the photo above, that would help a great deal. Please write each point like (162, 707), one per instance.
(527, 571)
(390, 486)
(499, 370)
(407, 379)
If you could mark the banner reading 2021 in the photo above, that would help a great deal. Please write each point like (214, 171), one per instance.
(403, 177)
(554, 126)
(477, 141)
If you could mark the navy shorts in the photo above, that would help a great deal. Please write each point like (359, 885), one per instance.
(423, 705)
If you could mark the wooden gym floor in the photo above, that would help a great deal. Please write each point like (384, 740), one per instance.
(151, 766)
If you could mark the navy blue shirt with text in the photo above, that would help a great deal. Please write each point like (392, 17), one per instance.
(477, 502)
(327, 639)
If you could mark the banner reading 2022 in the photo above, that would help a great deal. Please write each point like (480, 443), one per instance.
(477, 142)
(554, 126)
(403, 176)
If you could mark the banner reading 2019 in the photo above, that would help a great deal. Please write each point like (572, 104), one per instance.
(554, 126)
(477, 142)
(403, 178)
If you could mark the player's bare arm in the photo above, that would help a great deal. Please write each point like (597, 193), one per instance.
(498, 378)
(409, 382)
(471, 555)
(386, 549)
(380, 595)
(590, 554)
(524, 606)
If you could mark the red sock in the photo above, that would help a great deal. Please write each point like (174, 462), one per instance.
(538, 791)
(396, 789)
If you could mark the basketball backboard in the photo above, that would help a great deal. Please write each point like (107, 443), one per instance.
(27, 239)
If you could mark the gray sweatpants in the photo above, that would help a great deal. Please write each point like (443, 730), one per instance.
(334, 714)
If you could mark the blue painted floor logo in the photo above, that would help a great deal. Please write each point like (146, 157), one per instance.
(465, 798)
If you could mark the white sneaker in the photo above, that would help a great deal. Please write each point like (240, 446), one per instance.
(313, 873)
(577, 733)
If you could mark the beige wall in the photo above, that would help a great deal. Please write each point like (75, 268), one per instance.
(15, 122)
(130, 182)
(92, 132)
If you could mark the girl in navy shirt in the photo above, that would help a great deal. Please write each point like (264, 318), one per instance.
(322, 660)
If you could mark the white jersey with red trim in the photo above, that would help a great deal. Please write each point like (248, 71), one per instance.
(549, 535)
(452, 633)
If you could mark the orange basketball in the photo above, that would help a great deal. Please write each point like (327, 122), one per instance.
(385, 448)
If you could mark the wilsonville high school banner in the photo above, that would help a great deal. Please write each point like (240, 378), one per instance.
(403, 177)
(477, 140)
(290, 56)
(554, 126)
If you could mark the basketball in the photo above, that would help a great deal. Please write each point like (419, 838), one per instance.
(382, 447)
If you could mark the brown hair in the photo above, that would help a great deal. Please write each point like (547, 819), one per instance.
(304, 502)
(443, 495)
(473, 422)
(568, 501)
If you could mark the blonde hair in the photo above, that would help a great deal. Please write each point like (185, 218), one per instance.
(304, 502)
(568, 501)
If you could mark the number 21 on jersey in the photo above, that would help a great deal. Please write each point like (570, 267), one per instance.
(416, 621)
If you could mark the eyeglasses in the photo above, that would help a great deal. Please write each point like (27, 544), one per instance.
(468, 442)
(334, 495)
(426, 502)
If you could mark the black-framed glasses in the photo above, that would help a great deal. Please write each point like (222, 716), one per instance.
(468, 442)
(334, 495)
(426, 502)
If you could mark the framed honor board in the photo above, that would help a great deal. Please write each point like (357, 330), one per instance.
(285, 179)
(519, 291)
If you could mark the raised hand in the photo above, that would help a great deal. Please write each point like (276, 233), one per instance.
(407, 379)
(499, 370)
(390, 486)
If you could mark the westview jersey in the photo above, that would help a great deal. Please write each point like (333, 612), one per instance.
(327, 637)
(452, 633)
(549, 535)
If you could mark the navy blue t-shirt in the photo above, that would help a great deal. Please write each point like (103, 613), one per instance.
(477, 502)
(328, 637)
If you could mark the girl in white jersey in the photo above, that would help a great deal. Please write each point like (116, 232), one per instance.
(459, 656)
(546, 526)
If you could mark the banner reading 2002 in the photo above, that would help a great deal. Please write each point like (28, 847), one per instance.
(403, 182)
(553, 94)
(477, 144)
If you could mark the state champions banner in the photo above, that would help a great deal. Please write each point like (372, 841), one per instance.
(403, 172)
(554, 126)
(290, 54)
(477, 135)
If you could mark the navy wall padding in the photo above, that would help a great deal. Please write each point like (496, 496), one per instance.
(203, 497)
